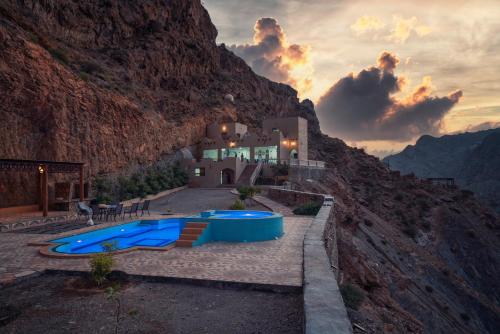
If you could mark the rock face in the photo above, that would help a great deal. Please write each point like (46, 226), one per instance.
(112, 83)
(473, 159)
(426, 257)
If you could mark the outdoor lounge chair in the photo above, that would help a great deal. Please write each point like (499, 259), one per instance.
(131, 209)
(114, 211)
(145, 207)
(83, 210)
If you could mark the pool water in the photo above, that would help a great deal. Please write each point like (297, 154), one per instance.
(240, 214)
(152, 233)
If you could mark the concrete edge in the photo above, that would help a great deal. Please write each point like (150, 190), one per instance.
(324, 309)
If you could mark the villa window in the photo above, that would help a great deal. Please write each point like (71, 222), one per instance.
(211, 154)
(267, 154)
(199, 171)
(237, 152)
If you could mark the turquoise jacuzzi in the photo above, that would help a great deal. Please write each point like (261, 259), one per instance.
(238, 226)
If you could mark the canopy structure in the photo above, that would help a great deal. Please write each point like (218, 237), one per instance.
(44, 167)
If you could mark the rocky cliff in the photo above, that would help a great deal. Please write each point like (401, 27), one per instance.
(116, 82)
(472, 159)
(426, 257)
(112, 83)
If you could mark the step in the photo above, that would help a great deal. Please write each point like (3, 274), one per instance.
(196, 225)
(188, 237)
(193, 230)
(184, 243)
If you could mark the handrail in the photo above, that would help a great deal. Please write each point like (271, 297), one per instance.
(255, 173)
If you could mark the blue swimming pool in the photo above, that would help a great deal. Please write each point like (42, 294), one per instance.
(145, 233)
(218, 225)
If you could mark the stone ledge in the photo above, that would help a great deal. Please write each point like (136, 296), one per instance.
(324, 310)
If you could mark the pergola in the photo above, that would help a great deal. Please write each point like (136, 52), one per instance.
(44, 167)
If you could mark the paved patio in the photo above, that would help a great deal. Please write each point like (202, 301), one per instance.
(277, 262)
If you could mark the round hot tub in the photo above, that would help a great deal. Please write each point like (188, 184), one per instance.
(239, 225)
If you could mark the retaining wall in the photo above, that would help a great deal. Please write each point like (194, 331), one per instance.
(324, 309)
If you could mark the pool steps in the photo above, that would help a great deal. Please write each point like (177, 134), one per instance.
(190, 234)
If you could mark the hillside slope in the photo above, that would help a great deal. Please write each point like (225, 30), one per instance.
(473, 159)
(426, 257)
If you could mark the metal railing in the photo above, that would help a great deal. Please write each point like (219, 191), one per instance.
(256, 173)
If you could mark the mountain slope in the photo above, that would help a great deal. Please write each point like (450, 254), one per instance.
(114, 83)
(471, 158)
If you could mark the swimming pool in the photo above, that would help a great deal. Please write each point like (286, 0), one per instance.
(218, 225)
(140, 234)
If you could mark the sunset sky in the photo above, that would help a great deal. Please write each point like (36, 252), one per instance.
(430, 66)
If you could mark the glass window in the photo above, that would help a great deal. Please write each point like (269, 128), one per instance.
(199, 171)
(236, 152)
(267, 154)
(211, 154)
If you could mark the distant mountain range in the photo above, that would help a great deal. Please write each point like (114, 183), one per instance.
(472, 158)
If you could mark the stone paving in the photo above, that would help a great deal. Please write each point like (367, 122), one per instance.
(276, 262)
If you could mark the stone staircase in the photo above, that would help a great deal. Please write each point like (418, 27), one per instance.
(190, 234)
(246, 175)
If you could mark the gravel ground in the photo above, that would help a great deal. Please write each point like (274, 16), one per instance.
(63, 304)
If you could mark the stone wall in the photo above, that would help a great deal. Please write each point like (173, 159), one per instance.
(293, 198)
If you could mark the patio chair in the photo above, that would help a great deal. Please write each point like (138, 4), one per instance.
(114, 211)
(97, 212)
(145, 207)
(82, 210)
(131, 209)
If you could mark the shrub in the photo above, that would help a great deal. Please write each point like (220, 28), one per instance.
(60, 55)
(90, 67)
(247, 192)
(352, 295)
(101, 265)
(238, 205)
(308, 209)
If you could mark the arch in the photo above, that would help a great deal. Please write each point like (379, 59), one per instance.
(227, 176)
(294, 154)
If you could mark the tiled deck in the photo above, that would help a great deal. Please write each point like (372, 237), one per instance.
(277, 262)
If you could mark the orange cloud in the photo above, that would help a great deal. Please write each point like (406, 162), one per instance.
(272, 56)
(367, 23)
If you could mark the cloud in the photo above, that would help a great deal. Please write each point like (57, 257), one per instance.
(272, 56)
(367, 23)
(403, 28)
(363, 106)
(481, 127)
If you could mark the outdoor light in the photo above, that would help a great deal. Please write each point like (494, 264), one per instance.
(293, 143)
(232, 144)
(40, 169)
(224, 128)
(285, 142)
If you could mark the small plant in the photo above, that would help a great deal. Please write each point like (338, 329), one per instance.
(308, 209)
(60, 55)
(352, 295)
(101, 264)
(238, 205)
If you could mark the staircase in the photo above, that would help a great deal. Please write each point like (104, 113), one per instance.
(249, 175)
(190, 234)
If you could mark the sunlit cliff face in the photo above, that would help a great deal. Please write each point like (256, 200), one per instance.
(315, 45)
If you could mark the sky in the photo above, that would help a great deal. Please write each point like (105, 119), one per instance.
(381, 73)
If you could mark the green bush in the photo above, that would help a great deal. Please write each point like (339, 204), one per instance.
(352, 295)
(101, 265)
(151, 180)
(308, 209)
(247, 192)
(238, 205)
